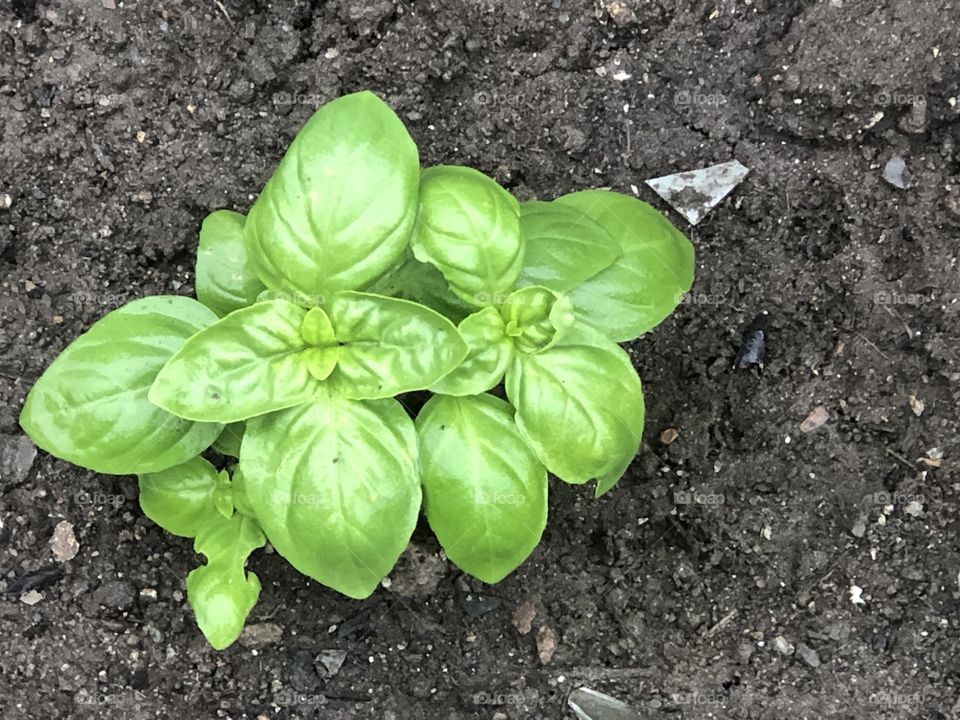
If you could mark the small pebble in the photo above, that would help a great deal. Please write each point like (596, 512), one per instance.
(31, 598)
(917, 405)
(914, 508)
(808, 655)
(523, 617)
(330, 661)
(16, 458)
(301, 672)
(781, 645)
(753, 346)
(6, 200)
(669, 435)
(895, 172)
(260, 635)
(116, 594)
(859, 527)
(546, 643)
(64, 543)
(817, 418)
(479, 605)
(620, 12)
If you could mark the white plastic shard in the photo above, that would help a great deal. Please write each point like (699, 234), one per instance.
(696, 192)
(589, 704)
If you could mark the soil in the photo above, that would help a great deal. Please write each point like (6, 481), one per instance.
(747, 569)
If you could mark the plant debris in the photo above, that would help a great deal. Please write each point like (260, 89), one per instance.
(37, 580)
(523, 617)
(696, 192)
(816, 419)
(589, 704)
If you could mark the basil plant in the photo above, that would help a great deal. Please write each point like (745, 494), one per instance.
(271, 408)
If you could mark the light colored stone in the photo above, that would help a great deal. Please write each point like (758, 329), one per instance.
(64, 543)
(31, 598)
(260, 635)
(817, 418)
(546, 643)
(523, 617)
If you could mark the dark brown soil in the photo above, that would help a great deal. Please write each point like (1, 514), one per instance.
(121, 128)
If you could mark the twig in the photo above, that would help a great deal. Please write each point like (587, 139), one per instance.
(900, 457)
(224, 11)
(896, 316)
(724, 621)
(871, 344)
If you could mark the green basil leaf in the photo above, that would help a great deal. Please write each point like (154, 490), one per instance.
(485, 492)
(223, 495)
(90, 407)
(339, 210)
(421, 283)
(390, 346)
(536, 318)
(221, 592)
(321, 358)
(320, 362)
(225, 278)
(469, 228)
(180, 499)
(229, 441)
(488, 353)
(564, 247)
(304, 301)
(335, 486)
(643, 286)
(317, 330)
(239, 493)
(579, 405)
(249, 363)
(606, 482)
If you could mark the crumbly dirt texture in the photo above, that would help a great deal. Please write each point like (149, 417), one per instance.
(747, 569)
